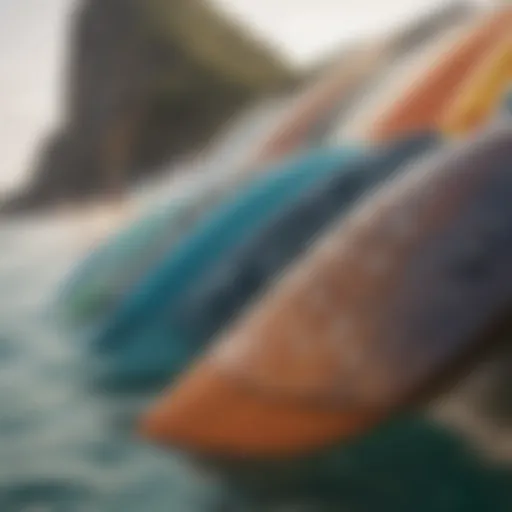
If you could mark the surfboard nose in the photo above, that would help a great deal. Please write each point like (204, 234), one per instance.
(210, 412)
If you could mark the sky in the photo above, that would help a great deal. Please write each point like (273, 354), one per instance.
(304, 29)
(32, 43)
(32, 51)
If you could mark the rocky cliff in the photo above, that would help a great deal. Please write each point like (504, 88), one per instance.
(147, 80)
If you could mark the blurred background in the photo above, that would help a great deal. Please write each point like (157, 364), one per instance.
(105, 105)
(69, 68)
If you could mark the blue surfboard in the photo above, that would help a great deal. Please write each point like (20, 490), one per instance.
(154, 349)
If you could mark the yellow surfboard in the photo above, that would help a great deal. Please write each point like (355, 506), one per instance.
(481, 93)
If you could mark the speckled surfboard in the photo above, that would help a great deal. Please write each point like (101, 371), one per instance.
(242, 276)
(379, 306)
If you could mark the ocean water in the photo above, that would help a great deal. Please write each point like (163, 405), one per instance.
(63, 447)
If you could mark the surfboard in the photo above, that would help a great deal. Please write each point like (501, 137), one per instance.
(381, 305)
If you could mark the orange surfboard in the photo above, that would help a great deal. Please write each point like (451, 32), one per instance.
(395, 82)
(370, 316)
(355, 69)
(422, 105)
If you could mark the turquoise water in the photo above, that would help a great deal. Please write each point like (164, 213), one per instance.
(62, 448)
